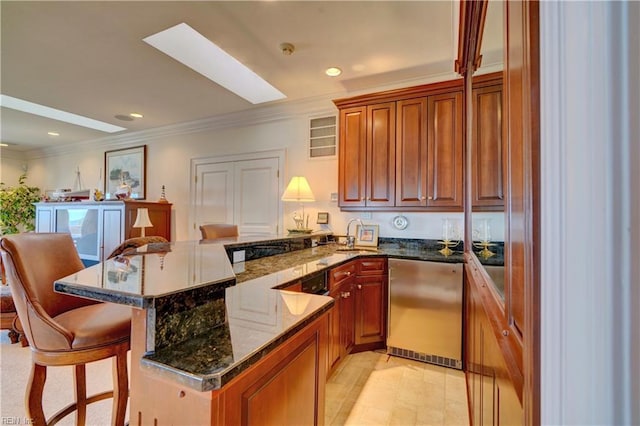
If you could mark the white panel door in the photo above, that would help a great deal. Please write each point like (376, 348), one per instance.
(241, 191)
(256, 196)
(214, 193)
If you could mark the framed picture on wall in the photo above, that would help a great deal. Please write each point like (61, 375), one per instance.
(126, 166)
(323, 218)
(367, 235)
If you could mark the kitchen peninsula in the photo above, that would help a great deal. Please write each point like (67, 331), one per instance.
(214, 345)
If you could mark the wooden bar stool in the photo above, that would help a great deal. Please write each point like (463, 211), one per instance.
(64, 330)
(130, 245)
(218, 230)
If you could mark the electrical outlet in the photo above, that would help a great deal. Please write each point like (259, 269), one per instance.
(238, 256)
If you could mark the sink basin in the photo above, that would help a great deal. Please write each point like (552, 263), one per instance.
(357, 250)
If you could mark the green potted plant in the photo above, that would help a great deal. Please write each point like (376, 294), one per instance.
(17, 212)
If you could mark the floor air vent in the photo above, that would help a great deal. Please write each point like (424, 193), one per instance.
(431, 359)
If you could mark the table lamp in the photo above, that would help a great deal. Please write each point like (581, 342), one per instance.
(300, 191)
(142, 220)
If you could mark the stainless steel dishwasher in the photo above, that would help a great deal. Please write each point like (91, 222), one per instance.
(425, 311)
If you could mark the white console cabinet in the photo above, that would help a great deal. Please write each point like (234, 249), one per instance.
(99, 227)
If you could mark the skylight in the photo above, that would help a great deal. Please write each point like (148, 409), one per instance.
(56, 114)
(186, 45)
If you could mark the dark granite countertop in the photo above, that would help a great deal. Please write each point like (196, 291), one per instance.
(140, 280)
(214, 319)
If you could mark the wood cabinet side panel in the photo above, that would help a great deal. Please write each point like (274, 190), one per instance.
(494, 394)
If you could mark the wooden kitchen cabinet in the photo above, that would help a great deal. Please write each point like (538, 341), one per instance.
(367, 174)
(413, 142)
(487, 175)
(411, 167)
(371, 291)
(287, 386)
(358, 319)
(352, 168)
(341, 316)
(493, 377)
(445, 145)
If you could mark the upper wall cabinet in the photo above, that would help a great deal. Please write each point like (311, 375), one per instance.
(402, 149)
(487, 173)
(367, 156)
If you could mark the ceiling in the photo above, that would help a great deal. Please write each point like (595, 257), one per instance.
(89, 58)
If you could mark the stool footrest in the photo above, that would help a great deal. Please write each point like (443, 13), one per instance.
(72, 407)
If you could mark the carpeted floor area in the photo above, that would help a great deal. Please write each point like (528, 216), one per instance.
(15, 366)
(370, 388)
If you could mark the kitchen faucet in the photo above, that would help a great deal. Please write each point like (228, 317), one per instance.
(351, 239)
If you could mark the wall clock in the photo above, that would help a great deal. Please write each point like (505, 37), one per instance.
(400, 222)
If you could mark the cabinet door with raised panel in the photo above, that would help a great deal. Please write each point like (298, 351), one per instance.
(445, 146)
(370, 309)
(381, 154)
(352, 172)
(487, 174)
(347, 317)
(411, 152)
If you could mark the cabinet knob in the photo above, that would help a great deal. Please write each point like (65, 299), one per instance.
(505, 333)
(359, 286)
(431, 198)
(348, 273)
(181, 394)
(424, 198)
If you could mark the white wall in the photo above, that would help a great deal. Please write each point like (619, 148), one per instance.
(590, 203)
(12, 166)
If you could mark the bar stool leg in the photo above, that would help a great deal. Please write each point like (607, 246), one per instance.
(34, 394)
(80, 379)
(120, 388)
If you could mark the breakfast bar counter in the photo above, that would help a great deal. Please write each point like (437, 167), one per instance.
(204, 329)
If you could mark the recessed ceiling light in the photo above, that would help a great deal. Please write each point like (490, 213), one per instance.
(333, 71)
(136, 115)
(53, 133)
(186, 45)
(56, 114)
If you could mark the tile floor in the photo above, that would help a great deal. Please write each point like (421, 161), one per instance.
(372, 388)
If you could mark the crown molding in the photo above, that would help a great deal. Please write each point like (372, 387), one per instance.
(277, 111)
(260, 115)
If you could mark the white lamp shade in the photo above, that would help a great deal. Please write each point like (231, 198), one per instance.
(142, 220)
(298, 190)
